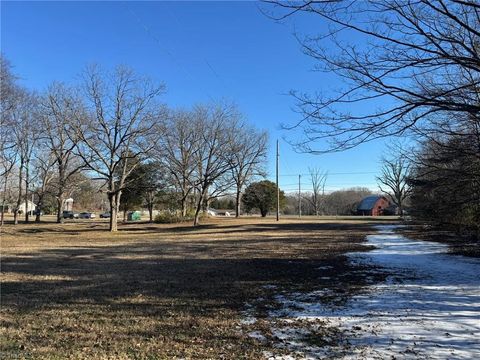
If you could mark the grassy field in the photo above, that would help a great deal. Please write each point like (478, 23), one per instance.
(163, 291)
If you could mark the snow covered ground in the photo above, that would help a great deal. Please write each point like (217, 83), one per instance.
(429, 308)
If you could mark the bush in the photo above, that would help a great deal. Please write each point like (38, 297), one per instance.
(166, 217)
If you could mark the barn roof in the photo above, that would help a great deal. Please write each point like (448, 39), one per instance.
(369, 202)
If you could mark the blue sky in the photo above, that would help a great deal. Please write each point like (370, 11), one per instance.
(202, 51)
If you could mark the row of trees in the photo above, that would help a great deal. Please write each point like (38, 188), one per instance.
(339, 202)
(111, 128)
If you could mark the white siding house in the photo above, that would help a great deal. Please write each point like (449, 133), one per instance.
(28, 206)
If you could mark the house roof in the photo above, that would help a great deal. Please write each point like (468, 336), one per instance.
(369, 202)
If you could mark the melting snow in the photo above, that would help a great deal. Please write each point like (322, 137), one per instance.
(429, 308)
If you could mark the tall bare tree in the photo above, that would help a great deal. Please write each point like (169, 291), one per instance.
(393, 180)
(249, 154)
(60, 109)
(10, 95)
(8, 158)
(176, 149)
(213, 158)
(24, 136)
(316, 199)
(44, 177)
(410, 65)
(8, 89)
(113, 141)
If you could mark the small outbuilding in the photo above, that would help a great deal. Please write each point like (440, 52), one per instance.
(134, 216)
(373, 205)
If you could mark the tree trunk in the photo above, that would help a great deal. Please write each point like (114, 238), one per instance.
(150, 212)
(19, 198)
(60, 219)
(3, 213)
(27, 183)
(263, 212)
(183, 203)
(196, 220)
(4, 199)
(114, 200)
(238, 199)
(39, 208)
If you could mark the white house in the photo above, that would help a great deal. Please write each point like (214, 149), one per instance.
(68, 205)
(27, 206)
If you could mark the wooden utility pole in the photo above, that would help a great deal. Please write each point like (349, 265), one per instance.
(278, 188)
(299, 196)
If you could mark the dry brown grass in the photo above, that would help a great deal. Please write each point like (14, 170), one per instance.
(159, 291)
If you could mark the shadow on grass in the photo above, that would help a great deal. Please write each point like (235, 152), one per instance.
(177, 291)
(225, 225)
(227, 272)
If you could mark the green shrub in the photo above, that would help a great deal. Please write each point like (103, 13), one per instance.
(166, 217)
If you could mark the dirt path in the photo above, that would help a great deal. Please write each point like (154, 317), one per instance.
(429, 307)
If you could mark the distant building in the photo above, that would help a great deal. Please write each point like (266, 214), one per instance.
(68, 205)
(374, 205)
(27, 206)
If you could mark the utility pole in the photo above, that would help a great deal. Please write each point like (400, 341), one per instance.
(299, 196)
(278, 189)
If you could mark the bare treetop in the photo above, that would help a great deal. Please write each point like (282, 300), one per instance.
(409, 63)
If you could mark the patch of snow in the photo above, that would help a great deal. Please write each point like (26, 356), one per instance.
(326, 267)
(257, 335)
(268, 355)
(269, 286)
(249, 320)
(428, 308)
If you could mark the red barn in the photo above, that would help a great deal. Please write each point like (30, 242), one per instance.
(373, 205)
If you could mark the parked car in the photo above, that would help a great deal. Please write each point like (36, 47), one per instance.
(86, 215)
(68, 214)
(105, 215)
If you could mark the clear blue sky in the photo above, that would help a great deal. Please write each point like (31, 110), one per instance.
(200, 50)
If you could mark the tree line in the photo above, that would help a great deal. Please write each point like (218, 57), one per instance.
(112, 128)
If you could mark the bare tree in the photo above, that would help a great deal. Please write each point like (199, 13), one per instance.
(7, 162)
(249, 153)
(44, 178)
(175, 149)
(60, 109)
(318, 179)
(10, 96)
(113, 140)
(345, 201)
(24, 137)
(8, 159)
(8, 90)
(416, 63)
(393, 180)
(213, 158)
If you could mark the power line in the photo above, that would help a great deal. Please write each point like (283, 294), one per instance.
(337, 173)
(164, 49)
